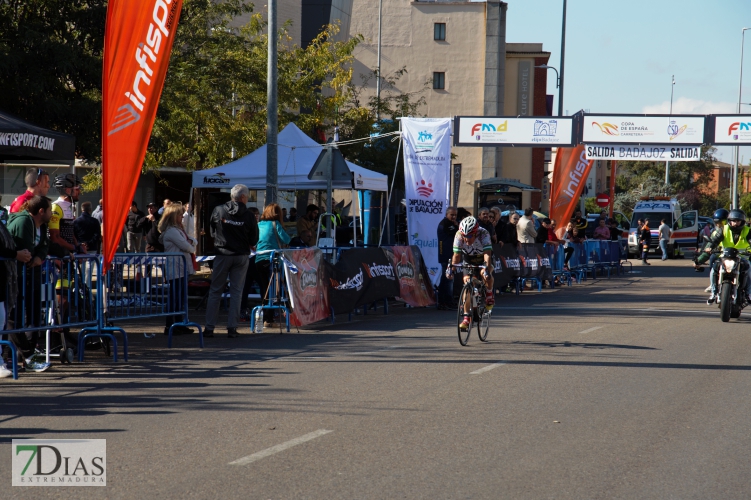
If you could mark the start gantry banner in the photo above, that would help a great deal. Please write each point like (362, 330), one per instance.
(427, 165)
(138, 40)
(642, 129)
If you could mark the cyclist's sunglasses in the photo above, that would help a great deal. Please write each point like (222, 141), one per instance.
(41, 172)
(471, 235)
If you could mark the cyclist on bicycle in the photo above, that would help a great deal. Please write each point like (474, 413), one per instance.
(472, 243)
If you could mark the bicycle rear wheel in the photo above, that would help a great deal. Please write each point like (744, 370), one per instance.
(464, 297)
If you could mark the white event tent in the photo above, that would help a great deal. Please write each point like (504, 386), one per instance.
(296, 155)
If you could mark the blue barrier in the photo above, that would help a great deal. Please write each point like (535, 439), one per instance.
(138, 286)
(51, 298)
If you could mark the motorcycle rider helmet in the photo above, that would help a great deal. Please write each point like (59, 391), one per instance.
(736, 216)
(66, 181)
(720, 214)
(468, 225)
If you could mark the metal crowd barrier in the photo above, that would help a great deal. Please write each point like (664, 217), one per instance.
(137, 286)
(54, 298)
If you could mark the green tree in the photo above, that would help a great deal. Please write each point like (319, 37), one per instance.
(51, 66)
(214, 97)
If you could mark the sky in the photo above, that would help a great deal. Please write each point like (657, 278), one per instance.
(621, 55)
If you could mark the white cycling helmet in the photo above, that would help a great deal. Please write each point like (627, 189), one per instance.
(468, 225)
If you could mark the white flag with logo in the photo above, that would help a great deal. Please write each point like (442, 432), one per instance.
(427, 165)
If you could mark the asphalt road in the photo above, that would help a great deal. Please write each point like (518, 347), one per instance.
(627, 387)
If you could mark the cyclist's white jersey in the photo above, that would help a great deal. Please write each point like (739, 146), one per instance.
(480, 244)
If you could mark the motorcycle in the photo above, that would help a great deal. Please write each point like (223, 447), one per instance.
(731, 282)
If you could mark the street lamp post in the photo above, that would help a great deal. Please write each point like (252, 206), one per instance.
(563, 54)
(557, 84)
(667, 163)
(734, 200)
(272, 118)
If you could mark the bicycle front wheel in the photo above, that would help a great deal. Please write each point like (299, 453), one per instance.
(464, 298)
(483, 325)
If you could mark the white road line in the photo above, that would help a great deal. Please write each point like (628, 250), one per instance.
(591, 329)
(280, 447)
(486, 368)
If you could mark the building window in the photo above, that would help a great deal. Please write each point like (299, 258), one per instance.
(439, 80)
(439, 31)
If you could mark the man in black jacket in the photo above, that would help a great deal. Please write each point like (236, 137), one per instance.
(447, 229)
(235, 231)
(133, 234)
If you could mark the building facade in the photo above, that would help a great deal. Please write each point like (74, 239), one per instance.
(459, 49)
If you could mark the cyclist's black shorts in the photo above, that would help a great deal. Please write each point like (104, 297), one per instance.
(472, 260)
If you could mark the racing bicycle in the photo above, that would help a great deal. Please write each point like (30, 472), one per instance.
(473, 293)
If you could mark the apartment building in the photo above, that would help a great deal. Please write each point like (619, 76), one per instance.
(461, 48)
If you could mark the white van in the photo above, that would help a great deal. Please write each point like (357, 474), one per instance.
(685, 225)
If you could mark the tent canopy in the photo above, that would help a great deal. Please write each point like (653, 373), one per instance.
(296, 154)
(22, 141)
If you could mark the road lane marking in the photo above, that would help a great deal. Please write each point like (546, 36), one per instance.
(280, 447)
(590, 329)
(552, 307)
(487, 368)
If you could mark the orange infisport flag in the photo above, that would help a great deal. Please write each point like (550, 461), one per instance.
(137, 44)
(569, 176)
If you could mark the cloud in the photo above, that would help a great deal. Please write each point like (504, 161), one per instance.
(687, 106)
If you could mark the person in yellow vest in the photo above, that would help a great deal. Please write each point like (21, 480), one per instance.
(734, 235)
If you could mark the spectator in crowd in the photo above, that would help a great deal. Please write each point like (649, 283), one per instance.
(552, 237)
(615, 233)
(603, 216)
(63, 240)
(189, 222)
(447, 229)
(37, 184)
(3, 213)
(99, 212)
(174, 239)
(284, 215)
(568, 249)
(525, 228)
(87, 229)
(8, 286)
(305, 239)
(645, 239)
(461, 214)
(271, 236)
(309, 221)
(293, 214)
(665, 233)
(235, 232)
(602, 231)
(29, 231)
(251, 275)
(166, 202)
(580, 222)
(542, 232)
(509, 233)
(485, 223)
(133, 233)
(149, 225)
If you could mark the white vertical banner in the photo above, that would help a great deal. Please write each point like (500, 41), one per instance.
(427, 167)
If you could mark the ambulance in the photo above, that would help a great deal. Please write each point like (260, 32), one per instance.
(684, 226)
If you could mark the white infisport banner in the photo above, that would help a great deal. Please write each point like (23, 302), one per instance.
(642, 153)
(735, 130)
(500, 131)
(427, 163)
(636, 129)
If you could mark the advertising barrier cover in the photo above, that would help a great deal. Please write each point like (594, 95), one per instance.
(530, 261)
(494, 131)
(360, 277)
(415, 287)
(309, 300)
(427, 167)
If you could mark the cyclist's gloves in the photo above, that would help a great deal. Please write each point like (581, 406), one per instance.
(449, 272)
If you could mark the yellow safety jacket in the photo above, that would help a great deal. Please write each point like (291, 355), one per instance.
(728, 240)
